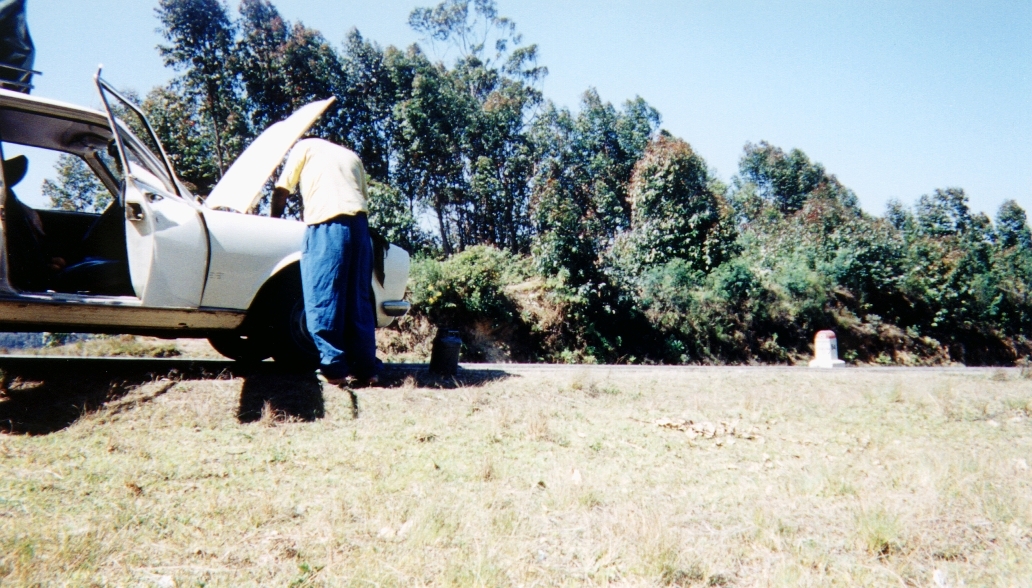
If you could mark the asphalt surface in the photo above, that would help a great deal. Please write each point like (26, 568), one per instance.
(49, 364)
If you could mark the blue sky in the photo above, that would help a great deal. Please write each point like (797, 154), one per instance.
(895, 98)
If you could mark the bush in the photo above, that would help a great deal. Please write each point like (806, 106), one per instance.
(391, 214)
(467, 287)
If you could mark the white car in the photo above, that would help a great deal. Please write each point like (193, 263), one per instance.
(160, 261)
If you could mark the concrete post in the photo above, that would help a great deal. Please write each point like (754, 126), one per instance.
(825, 351)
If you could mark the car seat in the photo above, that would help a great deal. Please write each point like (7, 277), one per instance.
(103, 267)
(25, 256)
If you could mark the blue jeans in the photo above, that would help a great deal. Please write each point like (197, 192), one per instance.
(336, 276)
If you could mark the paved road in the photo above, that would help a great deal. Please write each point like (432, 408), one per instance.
(185, 367)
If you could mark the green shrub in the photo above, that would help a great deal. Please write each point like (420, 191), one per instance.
(468, 286)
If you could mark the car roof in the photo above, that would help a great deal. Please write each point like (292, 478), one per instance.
(18, 100)
(50, 124)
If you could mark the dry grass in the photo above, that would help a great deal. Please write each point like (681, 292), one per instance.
(843, 478)
(129, 346)
(406, 343)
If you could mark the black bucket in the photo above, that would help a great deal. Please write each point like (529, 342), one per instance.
(444, 357)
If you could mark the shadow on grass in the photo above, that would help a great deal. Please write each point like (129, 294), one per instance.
(44, 395)
(287, 395)
(34, 403)
(397, 375)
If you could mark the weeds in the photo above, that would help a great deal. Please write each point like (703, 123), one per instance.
(879, 533)
(675, 576)
(240, 481)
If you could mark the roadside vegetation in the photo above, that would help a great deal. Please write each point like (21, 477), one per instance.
(707, 477)
(588, 235)
(119, 346)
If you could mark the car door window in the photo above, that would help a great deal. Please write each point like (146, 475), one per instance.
(57, 180)
(138, 144)
(63, 222)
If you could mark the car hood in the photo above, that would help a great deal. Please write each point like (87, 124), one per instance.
(241, 186)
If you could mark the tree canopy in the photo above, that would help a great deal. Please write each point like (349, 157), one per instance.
(616, 226)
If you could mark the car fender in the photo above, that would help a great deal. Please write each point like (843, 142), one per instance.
(246, 251)
(396, 265)
(290, 259)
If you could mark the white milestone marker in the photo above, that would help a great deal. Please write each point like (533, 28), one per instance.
(825, 351)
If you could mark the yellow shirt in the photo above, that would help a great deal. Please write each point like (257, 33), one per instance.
(333, 181)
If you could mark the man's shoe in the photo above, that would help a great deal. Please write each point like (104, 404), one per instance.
(370, 382)
(338, 382)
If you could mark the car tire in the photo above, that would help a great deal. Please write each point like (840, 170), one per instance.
(291, 343)
(239, 347)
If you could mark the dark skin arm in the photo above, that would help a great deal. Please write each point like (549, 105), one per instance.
(279, 202)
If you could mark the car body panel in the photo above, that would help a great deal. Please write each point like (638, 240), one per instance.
(166, 241)
(241, 186)
(246, 250)
(195, 270)
(74, 313)
(395, 271)
(167, 246)
(18, 100)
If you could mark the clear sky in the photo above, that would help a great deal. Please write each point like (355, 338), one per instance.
(895, 98)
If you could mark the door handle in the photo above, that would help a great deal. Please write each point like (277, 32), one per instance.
(134, 211)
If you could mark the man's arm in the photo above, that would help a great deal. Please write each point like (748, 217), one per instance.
(279, 202)
(288, 180)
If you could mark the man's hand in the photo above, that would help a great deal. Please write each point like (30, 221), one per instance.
(279, 202)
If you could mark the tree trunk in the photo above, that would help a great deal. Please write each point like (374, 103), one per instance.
(215, 127)
(439, 208)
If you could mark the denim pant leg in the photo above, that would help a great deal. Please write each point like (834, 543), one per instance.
(324, 269)
(360, 317)
(336, 276)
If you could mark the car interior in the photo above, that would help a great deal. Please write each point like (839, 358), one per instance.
(65, 251)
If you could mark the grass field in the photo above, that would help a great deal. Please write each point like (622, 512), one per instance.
(703, 477)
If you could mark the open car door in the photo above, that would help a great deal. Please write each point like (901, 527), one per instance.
(165, 235)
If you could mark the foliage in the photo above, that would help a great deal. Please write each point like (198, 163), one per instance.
(1012, 227)
(580, 200)
(588, 234)
(186, 134)
(283, 66)
(674, 212)
(787, 180)
(394, 217)
(200, 37)
(467, 286)
(76, 188)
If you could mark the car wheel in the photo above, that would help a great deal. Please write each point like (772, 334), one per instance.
(239, 347)
(292, 345)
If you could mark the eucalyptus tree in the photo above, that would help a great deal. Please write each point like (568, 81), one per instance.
(186, 132)
(580, 187)
(374, 81)
(283, 66)
(675, 213)
(260, 59)
(1012, 265)
(431, 123)
(1012, 226)
(200, 36)
(76, 187)
(787, 180)
(471, 121)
